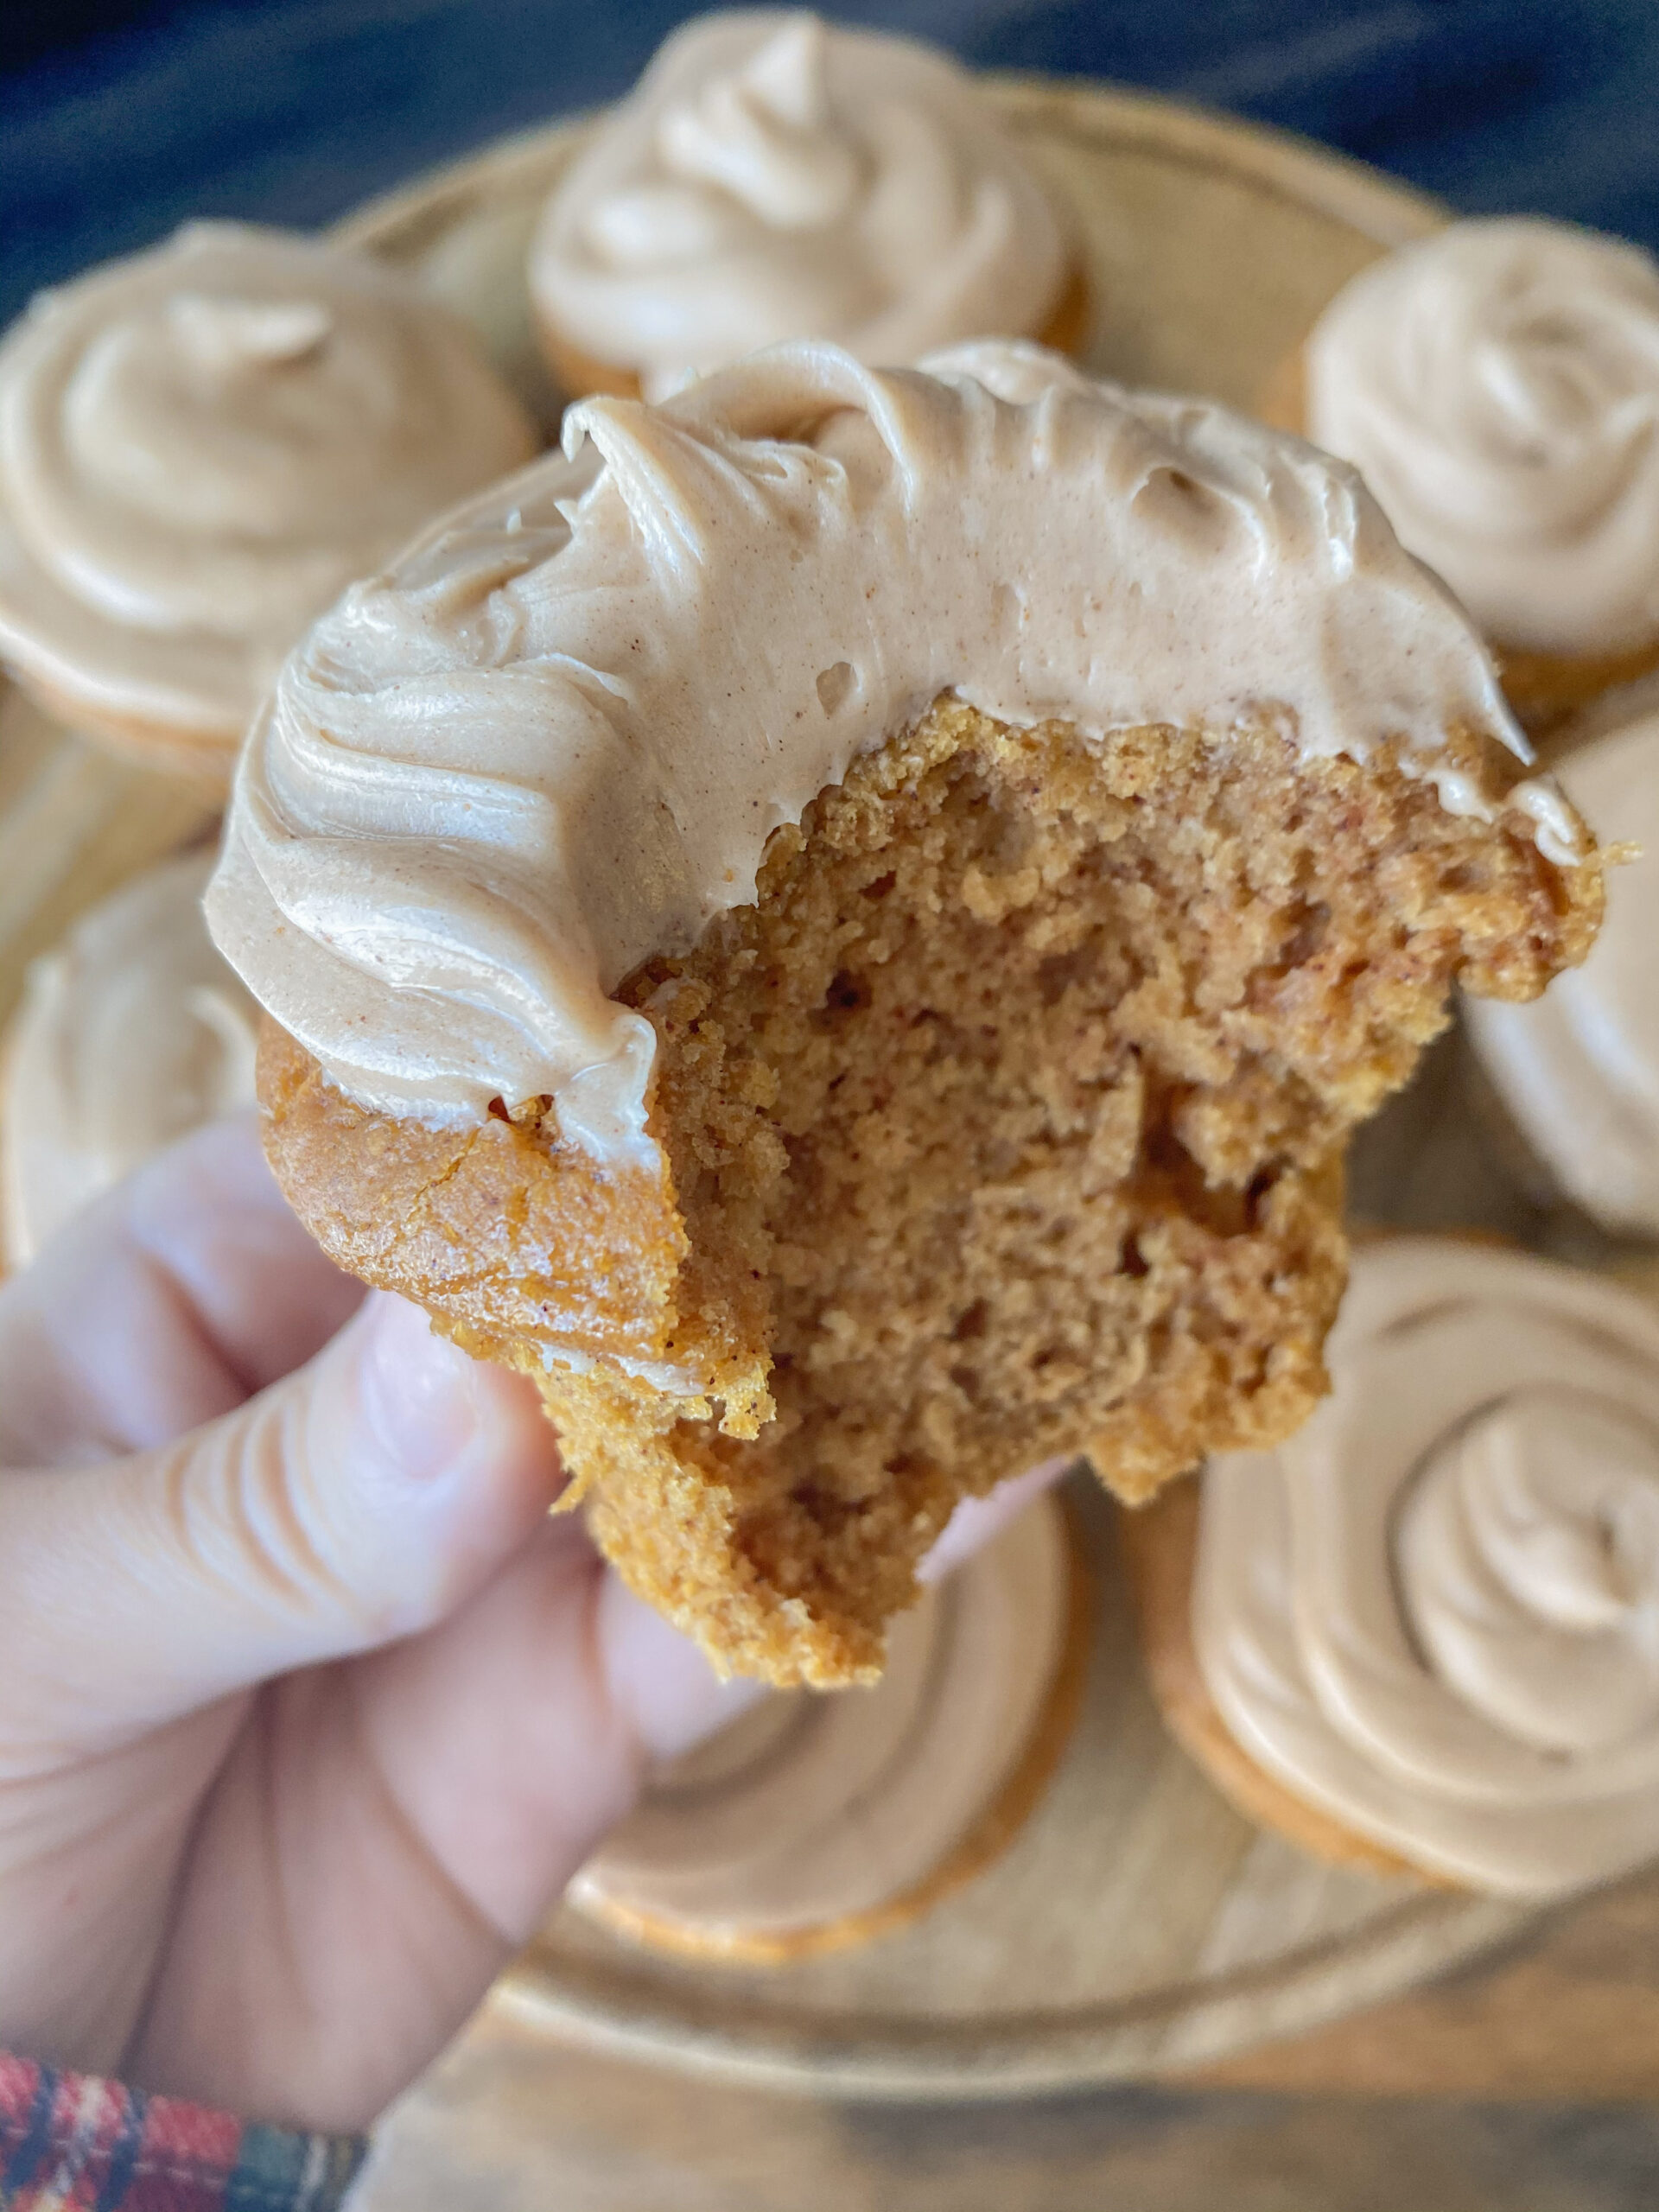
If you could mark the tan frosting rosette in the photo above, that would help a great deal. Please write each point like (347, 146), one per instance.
(813, 1823)
(200, 447)
(1432, 1616)
(772, 176)
(1498, 384)
(133, 1031)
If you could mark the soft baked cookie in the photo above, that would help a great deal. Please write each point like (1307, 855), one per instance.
(200, 446)
(817, 1822)
(1497, 386)
(1575, 1078)
(843, 927)
(130, 1034)
(774, 176)
(1419, 1634)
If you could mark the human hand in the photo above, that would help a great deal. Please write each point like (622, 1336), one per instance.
(308, 1709)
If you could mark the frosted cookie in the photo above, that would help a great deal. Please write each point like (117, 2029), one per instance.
(773, 176)
(1577, 1074)
(1497, 385)
(200, 447)
(1421, 1634)
(816, 1820)
(842, 925)
(129, 1035)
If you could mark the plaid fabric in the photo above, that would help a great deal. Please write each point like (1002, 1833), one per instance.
(71, 2142)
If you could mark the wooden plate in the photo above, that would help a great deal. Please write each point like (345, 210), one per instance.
(1136, 1922)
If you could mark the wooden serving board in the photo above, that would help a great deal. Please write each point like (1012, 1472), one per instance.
(1136, 1924)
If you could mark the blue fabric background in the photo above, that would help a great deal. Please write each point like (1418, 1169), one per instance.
(116, 122)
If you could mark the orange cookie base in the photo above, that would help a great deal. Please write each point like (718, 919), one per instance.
(1159, 1544)
(579, 375)
(205, 762)
(1545, 690)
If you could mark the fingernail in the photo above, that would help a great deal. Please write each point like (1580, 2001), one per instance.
(419, 1395)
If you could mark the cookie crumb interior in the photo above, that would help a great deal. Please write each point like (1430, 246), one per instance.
(1021, 1091)
(1005, 1124)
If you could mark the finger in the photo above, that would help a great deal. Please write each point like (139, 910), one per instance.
(413, 1816)
(164, 1306)
(209, 1212)
(511, 1737)
(359, 1500)
(517, 1733)
(440, 1801)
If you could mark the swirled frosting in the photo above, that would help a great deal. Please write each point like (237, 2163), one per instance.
(554, 738)
(773, 178)
(1434, 1612)
(1498, 386)
(813, 1810)
(131, 1033)
(202, 445)
(1578, 1070)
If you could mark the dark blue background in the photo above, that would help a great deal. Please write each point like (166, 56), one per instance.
(118, 120)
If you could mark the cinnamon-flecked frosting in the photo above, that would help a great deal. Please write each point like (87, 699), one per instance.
(1578, 1070)
(1434, 1612)
(201, 446)
(772, 177)
(554, 738)
(813, 1811)
(1498, 384)
(130, 1034)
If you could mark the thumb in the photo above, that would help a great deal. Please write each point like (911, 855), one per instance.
(362, 1498)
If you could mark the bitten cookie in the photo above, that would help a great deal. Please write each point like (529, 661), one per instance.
(843, 925)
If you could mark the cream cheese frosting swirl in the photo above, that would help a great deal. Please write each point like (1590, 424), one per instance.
(1498, 387)
(812, 1812)
(200, 447)
(772, 177)
(554, 738)
(130, 1034)
(1434, 1612)
(1578, 1070)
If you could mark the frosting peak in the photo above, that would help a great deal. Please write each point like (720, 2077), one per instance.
(554, 738)
(202, 445)
(1435, 1612)
(1527, 1561)
(1498, 386)
(766, 135)
(771, 177)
